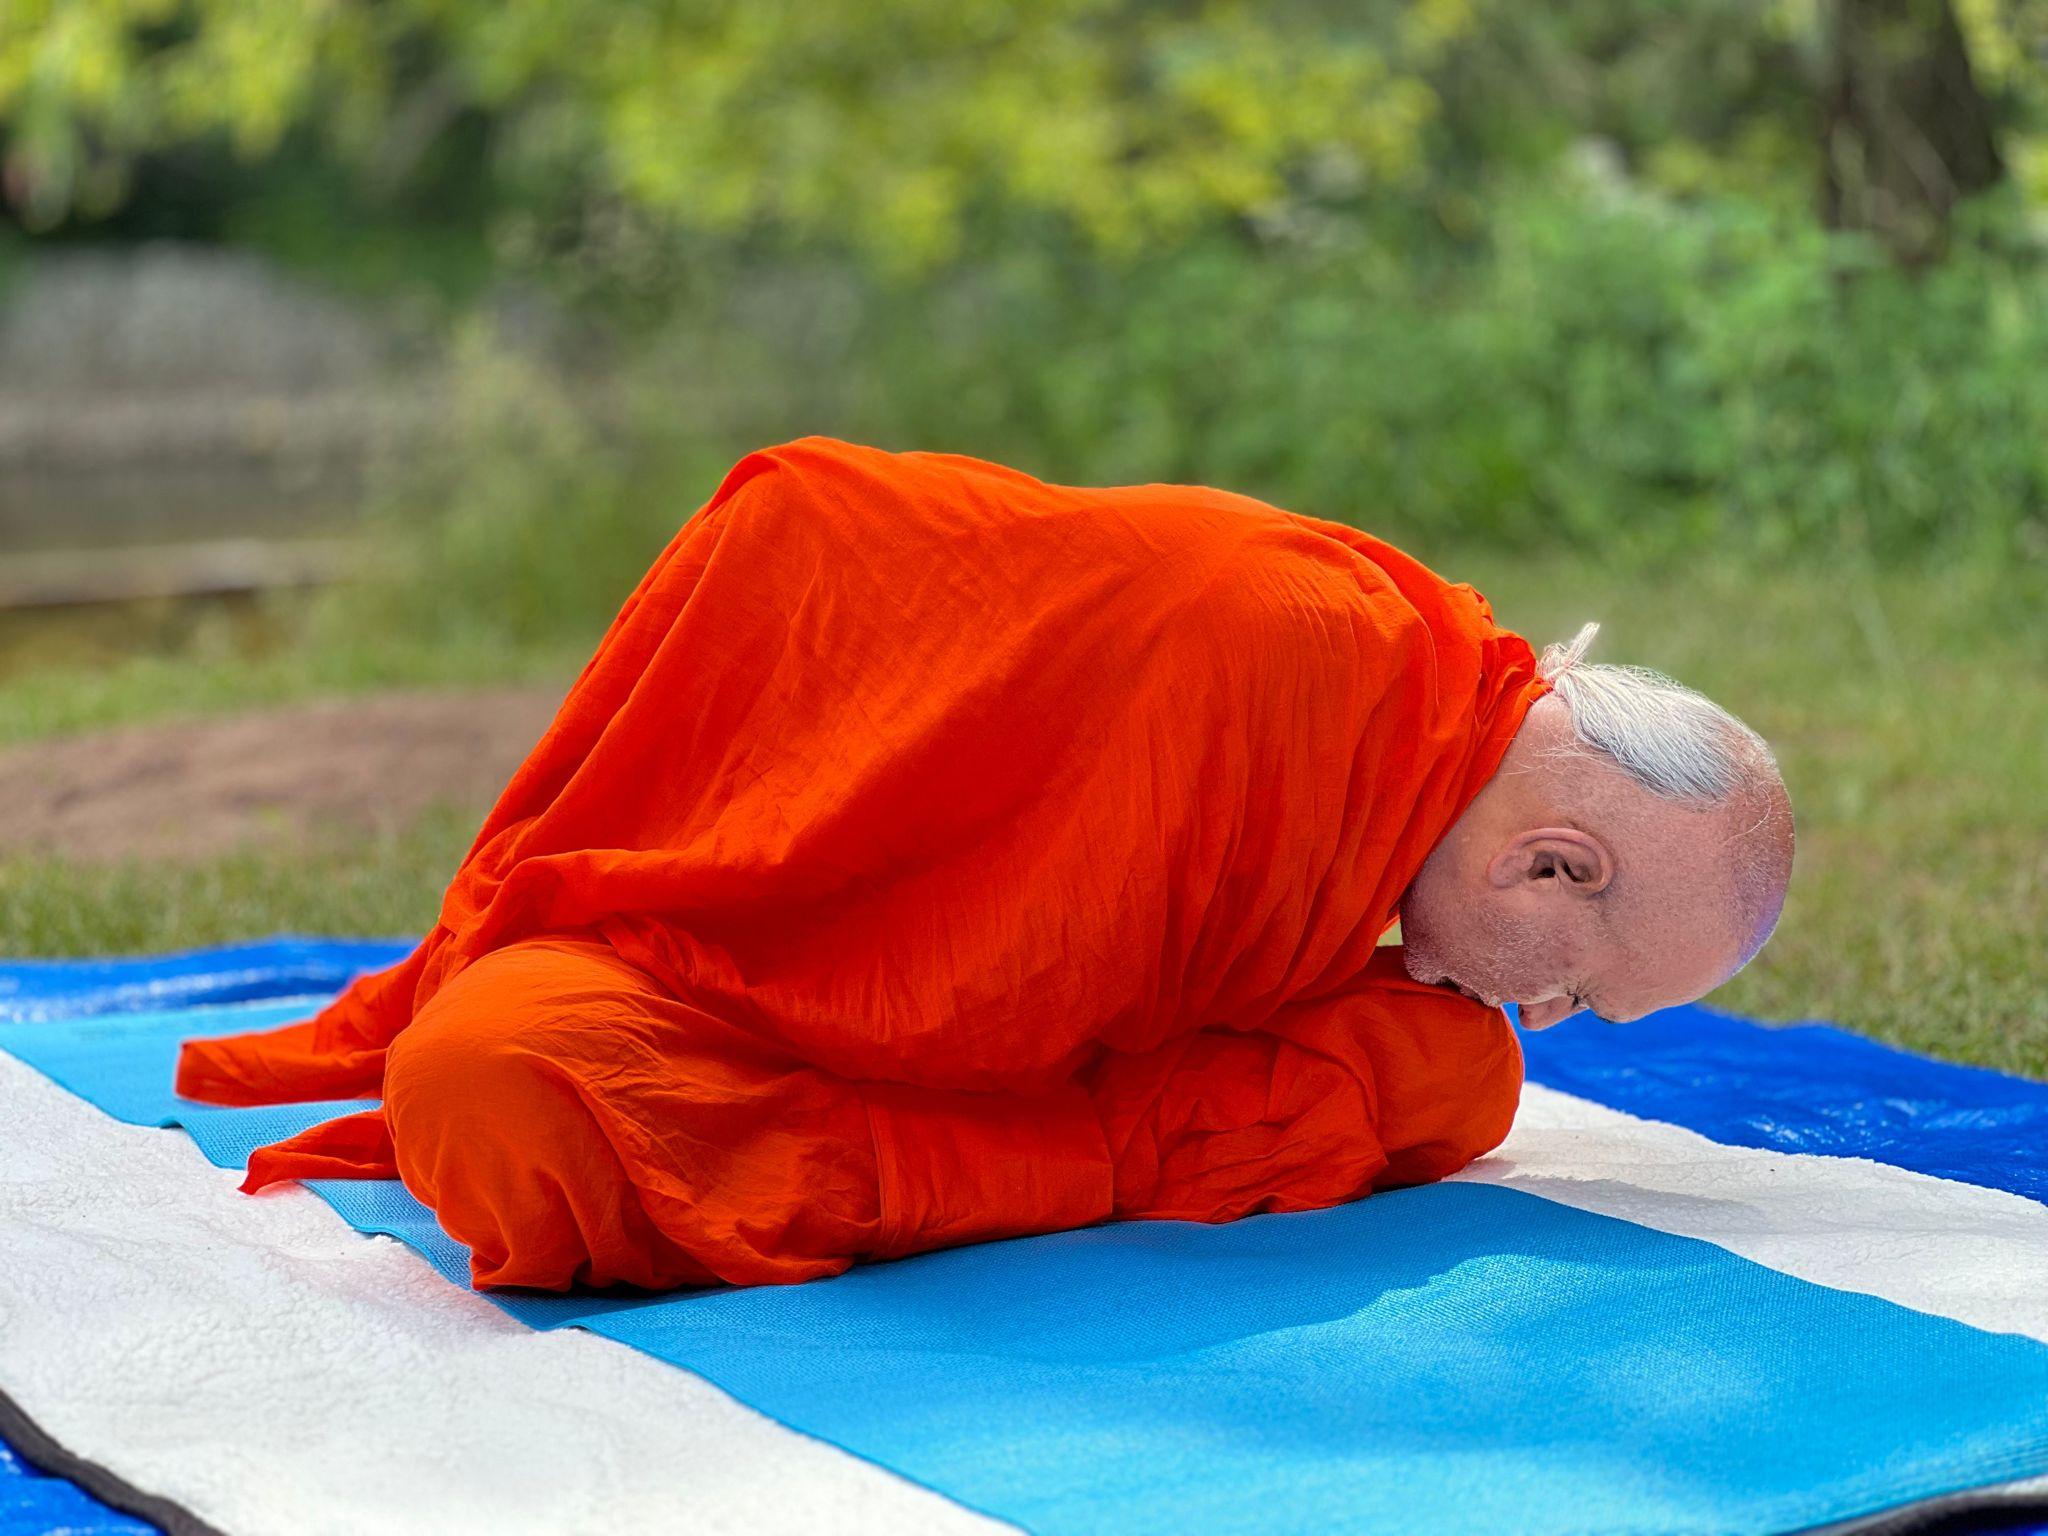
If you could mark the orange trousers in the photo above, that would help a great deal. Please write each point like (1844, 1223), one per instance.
(575, 1124)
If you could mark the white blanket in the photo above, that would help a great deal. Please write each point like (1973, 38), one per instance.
(277, 1373)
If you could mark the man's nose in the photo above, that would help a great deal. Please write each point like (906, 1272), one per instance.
(1543, 1015)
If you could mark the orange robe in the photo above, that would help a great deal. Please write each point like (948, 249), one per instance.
(928, 855)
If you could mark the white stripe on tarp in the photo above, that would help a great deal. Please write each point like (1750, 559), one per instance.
(267, 1367)
(1961, 1251)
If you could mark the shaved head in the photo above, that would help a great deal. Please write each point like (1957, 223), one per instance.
(1632, 853)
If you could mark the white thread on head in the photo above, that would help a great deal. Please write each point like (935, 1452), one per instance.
(1561, 658)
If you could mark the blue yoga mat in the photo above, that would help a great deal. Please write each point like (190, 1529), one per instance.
(1459, 1357)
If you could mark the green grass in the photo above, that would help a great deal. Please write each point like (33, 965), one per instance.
(372, 887)
(1909, 709)
(87, 676)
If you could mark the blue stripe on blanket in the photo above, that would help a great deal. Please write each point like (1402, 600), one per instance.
(1461, 1356)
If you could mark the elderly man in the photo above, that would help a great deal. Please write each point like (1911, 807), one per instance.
(930, 854)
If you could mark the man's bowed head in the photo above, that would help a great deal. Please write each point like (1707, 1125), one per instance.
(1631, 854)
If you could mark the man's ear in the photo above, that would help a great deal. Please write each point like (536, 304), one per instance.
(1565, 859)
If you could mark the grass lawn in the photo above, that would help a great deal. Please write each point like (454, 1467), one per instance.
(1910, 711)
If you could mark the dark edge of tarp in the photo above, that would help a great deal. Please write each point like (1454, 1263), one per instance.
(1988, 1511)
(35, 1447)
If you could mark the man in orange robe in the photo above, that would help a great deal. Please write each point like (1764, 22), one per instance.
(928, 855)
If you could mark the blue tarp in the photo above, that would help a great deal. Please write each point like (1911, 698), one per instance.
(31, 1502)
(1806, 1088)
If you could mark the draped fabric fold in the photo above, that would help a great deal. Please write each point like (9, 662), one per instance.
(929, 854)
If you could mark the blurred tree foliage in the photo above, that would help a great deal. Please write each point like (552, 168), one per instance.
(896, 124)
(1651, 275)
(884, 122)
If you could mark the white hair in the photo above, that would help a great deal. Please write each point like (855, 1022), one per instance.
(1668, 739)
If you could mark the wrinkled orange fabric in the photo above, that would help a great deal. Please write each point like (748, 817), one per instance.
(929, 854)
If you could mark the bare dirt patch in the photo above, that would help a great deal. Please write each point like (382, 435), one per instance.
(195, 789)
